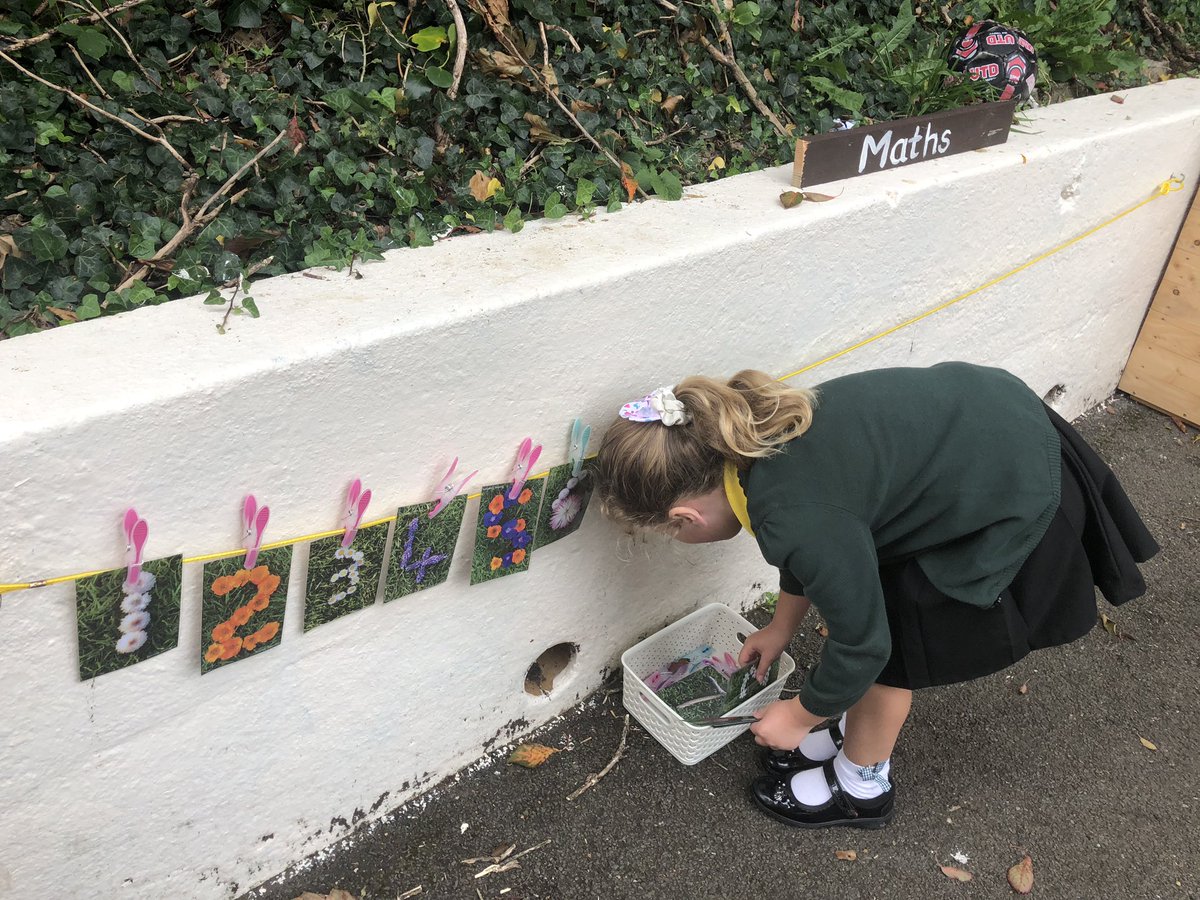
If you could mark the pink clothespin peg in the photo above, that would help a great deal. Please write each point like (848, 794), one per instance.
(448, 488)
(527, 455)
(136, 534)
(254, 523)
(356, 504)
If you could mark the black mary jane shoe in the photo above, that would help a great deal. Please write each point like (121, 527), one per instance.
(775, 796)
(786, 762)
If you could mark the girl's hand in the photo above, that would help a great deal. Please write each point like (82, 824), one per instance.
(782, 725)
(763, 648)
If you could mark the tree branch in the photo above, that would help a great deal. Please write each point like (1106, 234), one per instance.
(202, 216)
(46, 35)
(460, 56)
(161, 141)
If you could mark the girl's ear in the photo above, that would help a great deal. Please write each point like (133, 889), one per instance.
(684, 515)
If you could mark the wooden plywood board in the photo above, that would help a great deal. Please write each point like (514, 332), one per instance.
(1164, 369)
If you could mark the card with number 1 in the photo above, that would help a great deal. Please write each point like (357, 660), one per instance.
(423, 547)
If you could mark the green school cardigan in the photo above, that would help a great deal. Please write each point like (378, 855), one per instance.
(956, 465)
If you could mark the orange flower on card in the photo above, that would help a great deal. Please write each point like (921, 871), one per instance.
(213, 653)
(231, 647)
(259, 603)
(520, 524)
(518, 557)
(249, 643)
(267, 632)
(496, 563)
(269, 585)
(240, 578)
(525, 495)
(222, 632)
(497, 505)
(258, 573)
(222, 586)
(494, 531)
(240, 616)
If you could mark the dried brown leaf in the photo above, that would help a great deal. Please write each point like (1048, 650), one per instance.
(65, 314)
(539, 130)
(482, 186)
(1117, 99)
(1023, 690)
(1179, 423)
(628, 181)
(1112, 628)
(668, 105)
(578, 106)
(531, 755)
(819, 198)
(494, 62)
(1149, 745)
(823, 631)
(846, 855)
(788, 199)
(296, 136)
(956, 873)
(1020, 876)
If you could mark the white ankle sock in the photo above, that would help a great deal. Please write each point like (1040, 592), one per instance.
(819, 745)
(860, 782)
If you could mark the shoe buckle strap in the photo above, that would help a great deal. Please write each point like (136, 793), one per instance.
(835, 789)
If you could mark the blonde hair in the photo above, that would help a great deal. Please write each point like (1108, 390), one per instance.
(645, 468)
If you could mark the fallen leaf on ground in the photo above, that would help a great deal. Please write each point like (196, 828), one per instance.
(1116, 99)
(65, 314)
(819, 198)
(1112, 628)
(846, 855)
(1020, 876)
(1023, 690)
(1149, 745)
(1179, 424)
(822, 631)
(668, 105)
(788, 199)
(956, 874)
(531, 755)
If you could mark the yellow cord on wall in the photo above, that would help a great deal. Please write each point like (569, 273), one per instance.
(1172, 184)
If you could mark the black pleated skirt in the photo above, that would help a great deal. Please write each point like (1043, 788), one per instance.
(1096, 539)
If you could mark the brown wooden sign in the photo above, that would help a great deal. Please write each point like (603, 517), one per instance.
(887, 145)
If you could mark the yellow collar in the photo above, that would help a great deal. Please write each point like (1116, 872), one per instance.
(736, 496)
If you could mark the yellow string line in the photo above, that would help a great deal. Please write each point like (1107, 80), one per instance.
(1172, 184)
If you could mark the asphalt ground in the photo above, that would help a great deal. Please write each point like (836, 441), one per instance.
(983, 770)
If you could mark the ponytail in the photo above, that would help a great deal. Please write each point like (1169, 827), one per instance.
(645, 468)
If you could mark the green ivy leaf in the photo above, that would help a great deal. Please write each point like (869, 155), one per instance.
(123, 80)
(513, 221)
(93, 43)
(746, 13)
(439, 77)
(429, 38)
(47, 244)
(585, 190)
(251, 307)
(554, 208)
(89, 307)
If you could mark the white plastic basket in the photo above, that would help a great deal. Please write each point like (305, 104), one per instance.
(714, 624)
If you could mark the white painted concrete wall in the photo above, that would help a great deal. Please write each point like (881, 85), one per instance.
(155, 782)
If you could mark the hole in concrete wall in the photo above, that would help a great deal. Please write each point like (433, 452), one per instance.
(1054, 394)
(539, 680)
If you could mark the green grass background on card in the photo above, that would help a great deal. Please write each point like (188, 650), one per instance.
(322, 565)
(98, 614)
(440, 534)
(216, 610)
(554, 483)
(486, 548)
